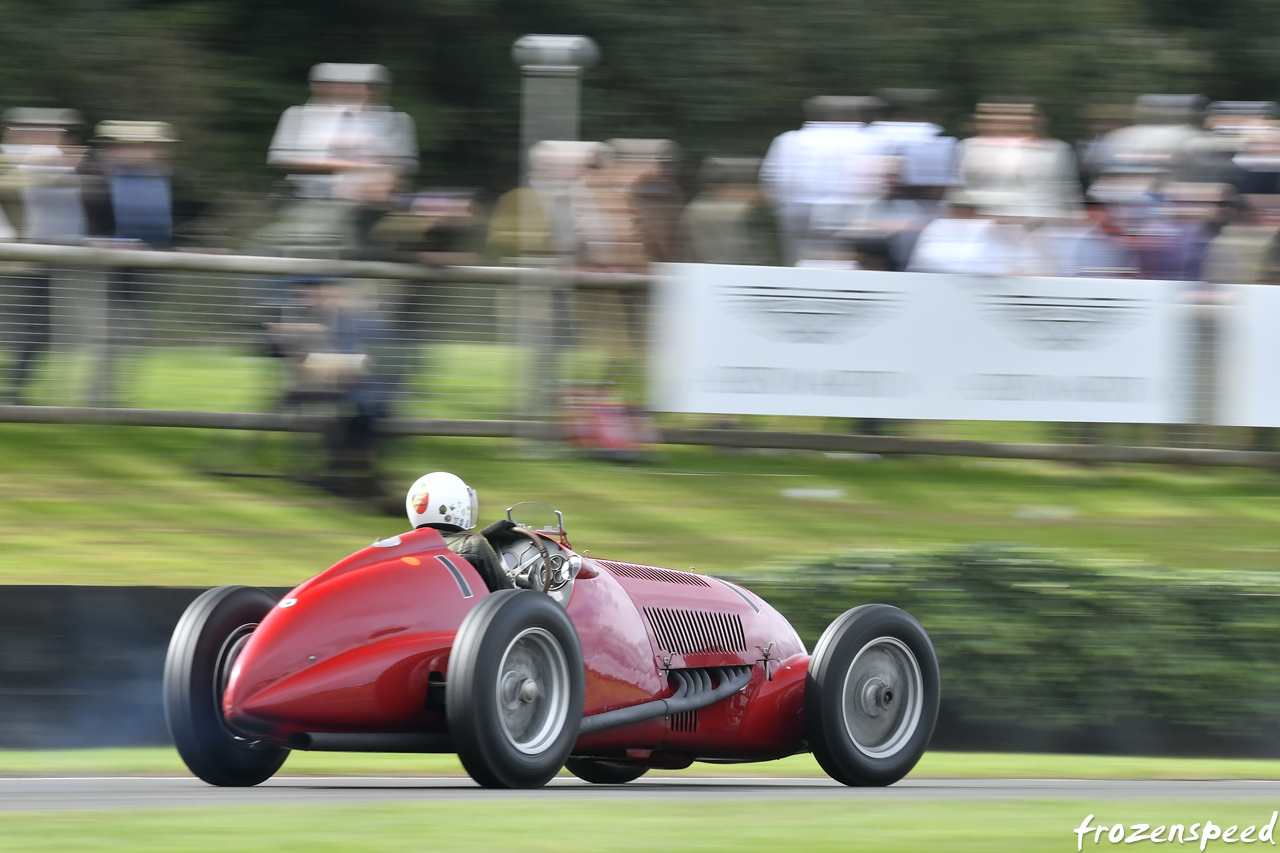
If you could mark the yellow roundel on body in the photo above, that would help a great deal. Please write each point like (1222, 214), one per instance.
(413, 561)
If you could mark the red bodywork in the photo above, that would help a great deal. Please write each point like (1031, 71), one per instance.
(355, 648)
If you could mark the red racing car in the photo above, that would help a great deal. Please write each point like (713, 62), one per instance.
(604, 667)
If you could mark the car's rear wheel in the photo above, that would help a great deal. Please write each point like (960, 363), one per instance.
(599, 772)
(515, 689)
(209, 637)
(871, 696)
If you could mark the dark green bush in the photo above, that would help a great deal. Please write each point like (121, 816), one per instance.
(1030, 641)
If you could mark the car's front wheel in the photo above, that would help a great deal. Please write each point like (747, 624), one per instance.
(871, 696)
(209, 637)
(516, 689)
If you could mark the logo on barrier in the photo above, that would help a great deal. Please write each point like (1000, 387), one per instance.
(1055, 322)
(812, 315)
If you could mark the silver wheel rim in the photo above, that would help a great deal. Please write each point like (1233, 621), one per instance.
(533, 691)
(227, 657)
(882, 697)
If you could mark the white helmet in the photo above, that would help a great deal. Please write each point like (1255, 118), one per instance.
(442, 498)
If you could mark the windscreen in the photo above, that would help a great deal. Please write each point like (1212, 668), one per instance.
(537, 516)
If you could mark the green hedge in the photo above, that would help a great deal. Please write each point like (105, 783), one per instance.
(1030, 641)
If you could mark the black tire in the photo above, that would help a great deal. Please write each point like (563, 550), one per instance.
(599, 772)
(515, 689)
(208, 637)
(870, 726)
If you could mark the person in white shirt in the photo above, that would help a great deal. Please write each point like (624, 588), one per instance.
(822, 177)
(927, 157)
(40, 156)
(345, 136)
(968, 242)
(1012, 167)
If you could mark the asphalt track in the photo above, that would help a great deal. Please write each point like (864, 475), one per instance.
(41, 794)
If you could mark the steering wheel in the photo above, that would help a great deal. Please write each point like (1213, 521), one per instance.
(546, 555)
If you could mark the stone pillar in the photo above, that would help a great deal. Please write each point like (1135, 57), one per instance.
(551, 69)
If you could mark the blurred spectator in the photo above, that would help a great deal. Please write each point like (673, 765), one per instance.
(729, 222)
(636, 207)
(345, 153)
(1258, 158)
(555, 216)
(1238, 147)
(41, 183)
(40, 193)
(438, 227)
(1156, 146)
(639, 204)
(130, 201)
(1011, 168)
(327, 332)
(1099, 121)
(822, 177)
(1099, 249)
(345, 135)
(134, 201)
(1247, 251)
(968, 242)
(886, 234)
(434, 227)
(1173, 245)
(927, 159)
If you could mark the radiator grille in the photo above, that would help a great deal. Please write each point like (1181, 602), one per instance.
(683, 722)
(686, 632)
(649, 573)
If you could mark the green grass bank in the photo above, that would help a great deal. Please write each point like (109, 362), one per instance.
(115, 505)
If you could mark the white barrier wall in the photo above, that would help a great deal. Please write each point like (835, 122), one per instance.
(841, 343)
(1247, 317)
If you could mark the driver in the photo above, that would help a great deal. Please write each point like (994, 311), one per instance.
(442, 501)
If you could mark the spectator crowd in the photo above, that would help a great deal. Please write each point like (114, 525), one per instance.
(1171, 187)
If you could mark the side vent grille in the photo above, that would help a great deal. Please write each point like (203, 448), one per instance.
(649, 573)
(686, 632)
(686, 721)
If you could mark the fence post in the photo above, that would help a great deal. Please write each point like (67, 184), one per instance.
(551, 68)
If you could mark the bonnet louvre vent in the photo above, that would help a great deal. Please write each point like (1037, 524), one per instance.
(649, 573)
(688, 632)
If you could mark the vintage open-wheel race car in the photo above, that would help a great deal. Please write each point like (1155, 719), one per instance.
(606, 668)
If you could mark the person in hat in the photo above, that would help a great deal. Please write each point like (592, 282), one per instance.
(129, 197)
(134, 200)
(346, 136)
(972, 238)
(822, 177)
(40, 195)
(729, 222)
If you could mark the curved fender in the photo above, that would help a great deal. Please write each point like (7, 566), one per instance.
(353, 648)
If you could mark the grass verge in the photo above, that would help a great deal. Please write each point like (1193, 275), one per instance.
(1027, 826)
